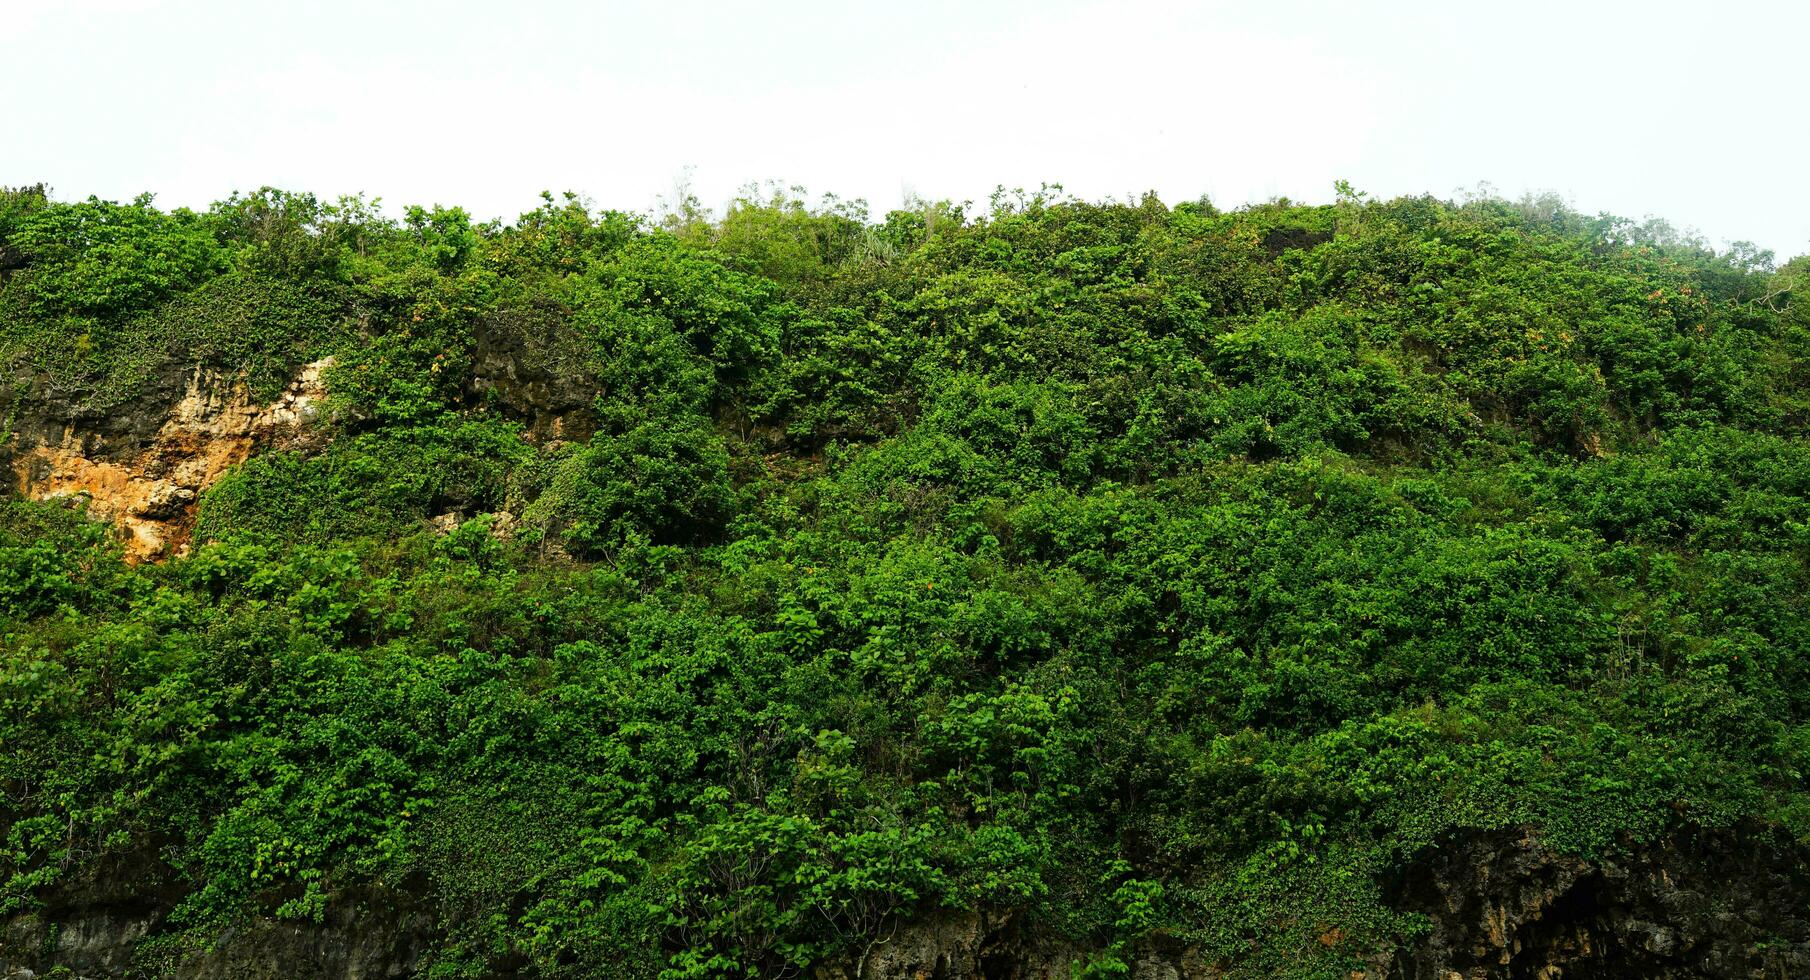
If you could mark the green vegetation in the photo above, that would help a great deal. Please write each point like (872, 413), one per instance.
(1134, 569)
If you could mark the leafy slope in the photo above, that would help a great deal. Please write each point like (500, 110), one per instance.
(1141, 571)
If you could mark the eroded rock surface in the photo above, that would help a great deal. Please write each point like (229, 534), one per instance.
(147, 481)
(116, 928)
(1501, 906)
(976, 946)
(1701, 904)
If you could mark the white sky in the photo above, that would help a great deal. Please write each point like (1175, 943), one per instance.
(1697, 112)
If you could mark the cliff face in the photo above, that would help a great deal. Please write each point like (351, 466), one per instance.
(1500, 906)
(104, 928)
(144, 467)
(604, 705)
(1505, 907)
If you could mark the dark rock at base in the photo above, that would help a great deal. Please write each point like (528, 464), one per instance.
(1504, 906)
(98, 929)
(1501, 906)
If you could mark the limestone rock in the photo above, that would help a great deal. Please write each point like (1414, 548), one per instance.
(148, 481)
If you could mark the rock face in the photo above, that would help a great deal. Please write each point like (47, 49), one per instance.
(1501, 906)
(974, 946)
(144, 464)
(529, 364)
(945, 947)
(147, 479)
(367, 936)
(1506, 907)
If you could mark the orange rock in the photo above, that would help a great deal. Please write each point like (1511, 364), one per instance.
(152, 495)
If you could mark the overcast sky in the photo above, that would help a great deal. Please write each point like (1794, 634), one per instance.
(1697, 112)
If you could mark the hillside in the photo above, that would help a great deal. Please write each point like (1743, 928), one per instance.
(1379, 589)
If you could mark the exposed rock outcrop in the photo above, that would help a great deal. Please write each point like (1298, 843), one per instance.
(952, 945)
(148, 480)
(1501, 906)
(975, 946)
(1507, 907)
(530, 364)
(365, 936)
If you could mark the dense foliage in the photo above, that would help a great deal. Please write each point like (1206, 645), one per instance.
(1132, 569)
